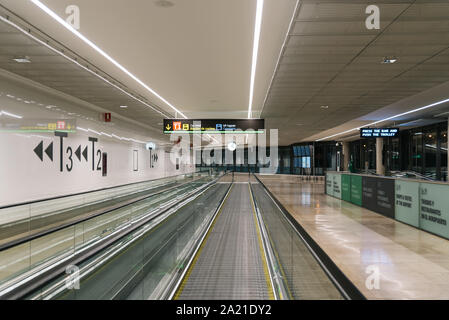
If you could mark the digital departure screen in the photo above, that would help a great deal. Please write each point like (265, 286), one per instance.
(214, 126)
(378, 132)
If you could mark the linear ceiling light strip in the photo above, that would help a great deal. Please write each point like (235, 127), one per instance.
(84, 68)
(257, 29)
(386, 119)
(104, 54)
(78, 64)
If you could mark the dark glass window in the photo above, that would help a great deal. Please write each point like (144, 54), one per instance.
(443, 154)
(430, 153)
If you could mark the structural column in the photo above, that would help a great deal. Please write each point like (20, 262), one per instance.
(380, 168)
(346, 156)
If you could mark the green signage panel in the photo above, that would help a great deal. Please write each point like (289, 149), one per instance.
(434, 208)
(346, 187)
(336, 185)
(329, 182)
(356, 190)
(407, 202)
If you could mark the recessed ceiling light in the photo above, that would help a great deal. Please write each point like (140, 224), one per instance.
(24, 59)
(324, 107)
(389, 60)
(164, 3)
(123, 107)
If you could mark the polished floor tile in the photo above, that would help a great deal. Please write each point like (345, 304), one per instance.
(412, 264)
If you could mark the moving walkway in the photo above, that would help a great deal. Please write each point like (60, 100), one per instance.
(223, 240)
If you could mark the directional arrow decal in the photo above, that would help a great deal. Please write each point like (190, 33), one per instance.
(49, 151)
(39, 150)
(85, 153)
(78, 153)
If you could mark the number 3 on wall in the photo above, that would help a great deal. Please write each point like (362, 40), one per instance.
(69, 150)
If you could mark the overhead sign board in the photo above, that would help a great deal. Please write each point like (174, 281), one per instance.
(378, 132)
(214, 126)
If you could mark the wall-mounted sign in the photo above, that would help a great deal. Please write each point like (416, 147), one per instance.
(107, 117)
(346, 187)
(214, 126)
(329, 184)
(336, 185)
(356, 190)
(434, 205)
(407, 202)
(68, 154)
(378, 195)
(378, 132)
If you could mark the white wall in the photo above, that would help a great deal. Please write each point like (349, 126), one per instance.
(24, 177)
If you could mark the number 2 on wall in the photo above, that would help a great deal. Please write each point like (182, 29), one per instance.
(99, 160)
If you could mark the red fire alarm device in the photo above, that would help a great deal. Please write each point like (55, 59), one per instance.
(107, 117)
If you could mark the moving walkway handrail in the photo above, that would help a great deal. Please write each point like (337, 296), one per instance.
(280, 287)
(31, 237)
(118, 248)
(416, 174)
(339, 279)
(38, 279)
(96, 190)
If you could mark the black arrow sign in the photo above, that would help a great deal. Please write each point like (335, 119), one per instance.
(78, 153)
(85, 153)
(39, 150)
(49, 151)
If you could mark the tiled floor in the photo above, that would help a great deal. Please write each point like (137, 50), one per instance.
(413, 264)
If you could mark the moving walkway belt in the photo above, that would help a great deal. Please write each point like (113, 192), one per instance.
(231, 262)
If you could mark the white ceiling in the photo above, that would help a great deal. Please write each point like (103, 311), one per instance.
(52, 70)
(196, 54)
(332, 59)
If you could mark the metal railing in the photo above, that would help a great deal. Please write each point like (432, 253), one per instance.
(410, 175)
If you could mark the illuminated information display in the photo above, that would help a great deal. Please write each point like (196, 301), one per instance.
(214, 126)
(378, 132)
(40, 125)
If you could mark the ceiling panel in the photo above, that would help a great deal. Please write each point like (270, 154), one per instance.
(332, 59)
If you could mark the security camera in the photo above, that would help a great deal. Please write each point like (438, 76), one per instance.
(150, 146)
